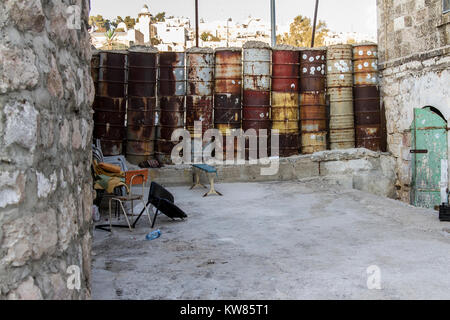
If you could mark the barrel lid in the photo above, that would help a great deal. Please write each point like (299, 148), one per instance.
(113, 51)
(140, 48)
(199, 50)
(314, 49)
(363, 44)
(234, 49)
(340, 45)
(285, 47)
(256, 45)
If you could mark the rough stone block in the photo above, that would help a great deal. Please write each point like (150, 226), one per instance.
(12, 185)
(29, 237)
(21, 125)
(27, 290)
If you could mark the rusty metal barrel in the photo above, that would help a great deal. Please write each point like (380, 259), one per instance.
(95, 64)
(340, 90)
(141, 129)
(313, 107)
(200, 88)
(285, 98)
(110, 101)
(228, 94)
(257, 84)
(366, 97)
(172, 94)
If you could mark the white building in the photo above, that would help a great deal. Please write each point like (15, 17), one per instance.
(348, 37)
(144, 23)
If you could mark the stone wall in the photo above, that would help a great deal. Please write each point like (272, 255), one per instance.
(414, 58)
(45, 136)
(359, 169)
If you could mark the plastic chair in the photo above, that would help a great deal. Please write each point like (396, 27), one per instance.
(132, 178)
(163, 201)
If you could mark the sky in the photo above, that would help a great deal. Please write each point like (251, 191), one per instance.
(340, 15)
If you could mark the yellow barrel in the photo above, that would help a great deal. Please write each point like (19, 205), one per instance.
(340, 90)
(285, 116)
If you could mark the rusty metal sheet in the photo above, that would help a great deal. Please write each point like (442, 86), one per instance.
(112, 74)
(314, 142)
(142, 103)
(313, 70)
(142, 74)
(340, 90)
(141, 114)
(367, 105)
(257, 75)
(368, 137)
(110, 103)
(111, 147)
(228, 89)
(171, 116)
(289, 144)
(109, 116)
(228, 71)
(138, 151)
(285, 112)
(113, 104)
(227, 109)
(109, 131)
(339, 66)
(313, 122)
(172, 74)
(256, 110)
(199, 108)
(285, 71)
(365, 61)
(200, 76)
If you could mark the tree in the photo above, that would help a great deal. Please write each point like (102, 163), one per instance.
(208, 36)
(300, 33)
(160, 17)
(110, 35)
(130, 22)
(98, 23)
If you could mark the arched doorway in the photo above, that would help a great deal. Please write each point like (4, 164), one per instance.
(429, 156)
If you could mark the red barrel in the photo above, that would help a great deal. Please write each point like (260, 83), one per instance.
(141, 129)
(285, 107)
(228, 97)
(256, 100)
(200, 88)
(313, 108)
(366, 94)
(110, 79)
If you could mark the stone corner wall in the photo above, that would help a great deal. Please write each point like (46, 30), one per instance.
(45, 134)
(414, 57)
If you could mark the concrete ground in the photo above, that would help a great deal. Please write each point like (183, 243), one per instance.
(278, 240)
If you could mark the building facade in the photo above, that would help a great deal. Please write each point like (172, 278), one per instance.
(414, 62)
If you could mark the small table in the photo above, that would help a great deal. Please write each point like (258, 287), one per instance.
(211, 172)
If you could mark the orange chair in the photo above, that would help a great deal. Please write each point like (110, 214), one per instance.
(132, 178)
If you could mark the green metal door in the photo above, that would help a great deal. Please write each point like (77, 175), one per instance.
(429, 149)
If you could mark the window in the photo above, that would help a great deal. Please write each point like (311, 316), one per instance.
(446, 6)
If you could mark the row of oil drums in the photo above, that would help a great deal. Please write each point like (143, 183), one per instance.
(316, 99)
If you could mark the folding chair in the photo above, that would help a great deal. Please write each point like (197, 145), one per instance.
(132, 178)
(163, 201)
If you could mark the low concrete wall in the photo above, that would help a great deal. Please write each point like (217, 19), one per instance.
(360, 169)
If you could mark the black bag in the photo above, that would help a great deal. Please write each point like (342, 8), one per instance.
(444, 212)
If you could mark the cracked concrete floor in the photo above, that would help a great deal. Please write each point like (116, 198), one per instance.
(283, 240)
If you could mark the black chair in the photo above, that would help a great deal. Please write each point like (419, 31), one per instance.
(163, 201)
